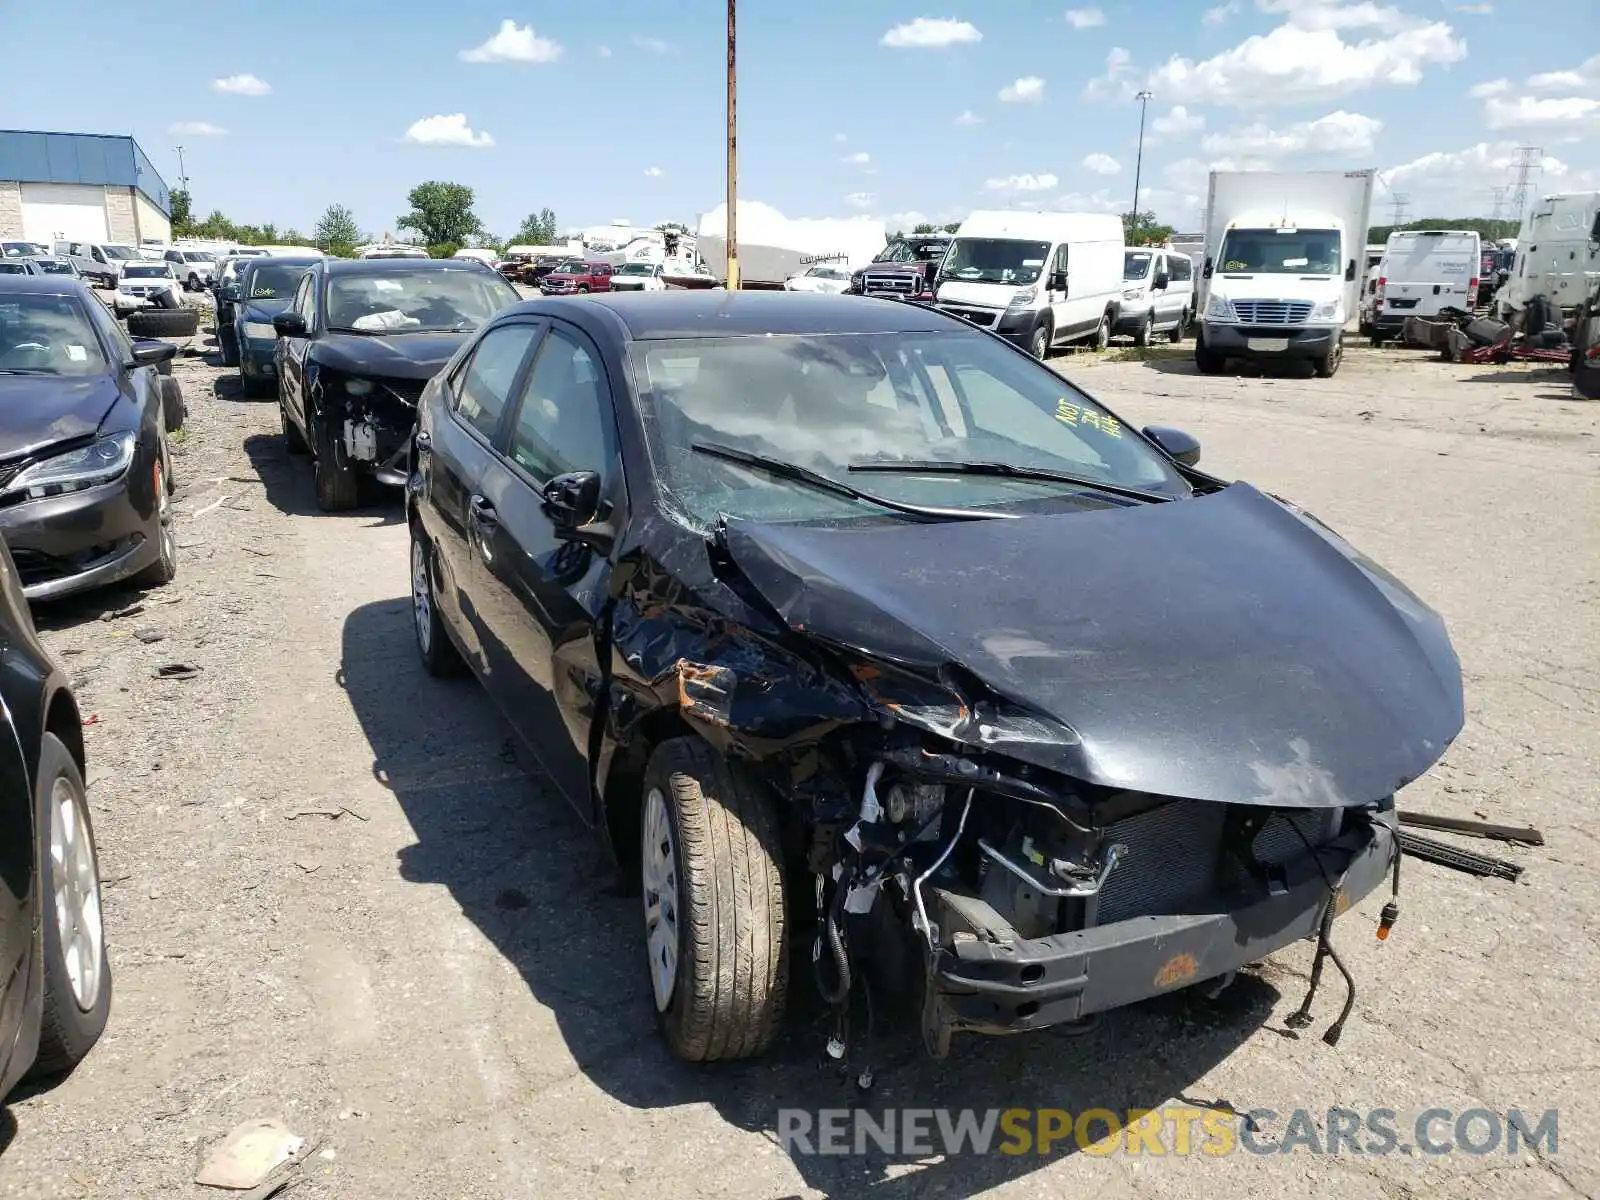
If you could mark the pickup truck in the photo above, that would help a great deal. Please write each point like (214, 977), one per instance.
(905, 267)
(576, 276)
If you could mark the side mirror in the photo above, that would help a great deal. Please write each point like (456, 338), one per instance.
(289, 324)
(1180, 446)
(1205, 272)
(572, 501)
(1058, 281)
(1162, 280)
(150, 351)
(1350, 271)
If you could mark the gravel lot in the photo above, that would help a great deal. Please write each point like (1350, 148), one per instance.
(441, 983)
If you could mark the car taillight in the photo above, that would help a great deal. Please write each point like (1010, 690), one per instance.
(1472, 285)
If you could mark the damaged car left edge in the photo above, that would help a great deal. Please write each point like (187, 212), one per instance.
(868, 641)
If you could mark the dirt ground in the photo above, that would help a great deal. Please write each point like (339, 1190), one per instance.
(440, 983)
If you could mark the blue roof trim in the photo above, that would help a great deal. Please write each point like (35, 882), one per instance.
(91, 158)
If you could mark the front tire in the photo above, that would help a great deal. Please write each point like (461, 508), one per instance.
(1102, 332)
(173, 409)
(1207, 360)
(1039, 341)
(165, 569)
(77, 972)
(715, 919)
(438, 653)
(1327, 364)
(338, 489)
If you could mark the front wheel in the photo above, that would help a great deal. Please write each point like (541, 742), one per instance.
(77, 973)
(338, 489)
(1039, 341)
(715, 920)
(1141, 336)
(165, 569)
(1325, 365)
(1102, 332)
(583, 288)
(1207, 360)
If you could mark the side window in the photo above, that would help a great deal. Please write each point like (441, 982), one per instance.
(97, 254)
(1181, 268)
(1058, 265)
(312, 282)
(564, 422)
(172, 256)
(302, 297)
(483, 389)
(118, 344)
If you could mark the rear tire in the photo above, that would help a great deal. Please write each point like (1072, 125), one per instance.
(293, 441)
(69, 1028)
(338, 489)
(227, 346)
(714, 901)
(438, 653)
(1175, 334)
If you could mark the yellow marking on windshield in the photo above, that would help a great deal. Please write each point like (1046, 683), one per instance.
(1078, 416)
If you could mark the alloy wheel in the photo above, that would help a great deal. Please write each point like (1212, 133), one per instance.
(421, 594)
(76, 884)
(661, 899)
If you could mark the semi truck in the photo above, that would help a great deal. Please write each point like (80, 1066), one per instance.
(1282, 272)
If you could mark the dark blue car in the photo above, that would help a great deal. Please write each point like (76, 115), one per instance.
(265, 288)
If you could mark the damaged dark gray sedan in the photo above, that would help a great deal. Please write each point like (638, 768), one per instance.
(870, 642)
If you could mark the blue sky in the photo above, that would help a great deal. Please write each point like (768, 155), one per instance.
(899, 109)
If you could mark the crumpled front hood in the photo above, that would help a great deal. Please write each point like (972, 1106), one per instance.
(389, 355)
(37, 411)
(1220, 648)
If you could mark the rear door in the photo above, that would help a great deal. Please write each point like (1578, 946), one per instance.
(542, 595)
(478, 396)
(291, 352)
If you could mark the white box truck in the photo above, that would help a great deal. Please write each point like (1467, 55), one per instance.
(1039, 279)
(1282, 274)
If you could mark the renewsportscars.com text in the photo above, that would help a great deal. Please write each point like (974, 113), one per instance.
(1178, 1131)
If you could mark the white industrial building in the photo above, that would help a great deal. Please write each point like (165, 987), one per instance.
(82, 187)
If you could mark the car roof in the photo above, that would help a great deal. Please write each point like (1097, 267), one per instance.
(44, 285)
(283, 260)
(385, 266)
(711, 313)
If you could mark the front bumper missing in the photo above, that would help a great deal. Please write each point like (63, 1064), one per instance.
(999, 988)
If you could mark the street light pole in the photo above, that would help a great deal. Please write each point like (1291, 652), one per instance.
(1138, 162)
(183, 179)
(732, 239)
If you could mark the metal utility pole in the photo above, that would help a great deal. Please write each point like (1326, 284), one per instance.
(1402, 205)
(183, 177)
(1528, 161)
(1499, 195)
(732, 240)
(1138, 162)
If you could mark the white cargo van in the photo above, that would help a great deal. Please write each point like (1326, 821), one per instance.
(1556, 255)
(1157, 293)
(1424, 270)
(1039, 279)
(1283, 262)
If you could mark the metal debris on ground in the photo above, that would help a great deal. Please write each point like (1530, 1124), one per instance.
(1521, 835)
(131, 610)
(1446, 855)
(177, 671)
(248, 1155)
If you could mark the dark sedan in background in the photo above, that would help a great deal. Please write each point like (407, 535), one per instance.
(55, 981)
(848, 593)
(264, 288)
(85, 479)
(357, 346)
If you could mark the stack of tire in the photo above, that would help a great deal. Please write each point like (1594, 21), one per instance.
(164, 322)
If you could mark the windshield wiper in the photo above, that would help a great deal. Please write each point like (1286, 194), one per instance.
(798, 474)
(920, 466)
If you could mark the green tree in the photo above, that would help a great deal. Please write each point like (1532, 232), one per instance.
(182, 216)
(337, 231)
(1487, 229)
(440, 212)
(1142, 229)
(673, 227)
(924, 228)
(952, 226)
(538, 229)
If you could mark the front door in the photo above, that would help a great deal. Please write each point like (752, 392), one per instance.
(291, 351)
(1059, 297)
(478, 397)
(542, 594)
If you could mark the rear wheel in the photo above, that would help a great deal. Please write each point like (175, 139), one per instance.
(438, 652)
(77, 974)
(293, 441)
(715, 930)
(1175, 334)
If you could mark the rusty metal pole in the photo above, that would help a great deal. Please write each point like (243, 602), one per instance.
(733, 159)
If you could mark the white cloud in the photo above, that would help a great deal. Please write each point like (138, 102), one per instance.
(603, 51)
(860, 158)
(1178, 122)
(1585, 77)
(1335, 14)
(1027, 90)
(1118, 78)
(840, 138)
(653, 44)
(1219, 14)
(1298, 64)
(1446, 173)
(195, 129)
(447, 130)
(1022, 183)
(906, 220)
(969, 118)
(931, 33)
(1101, 164)
(860, 199)
(241, 85)
(1494, 87)
(653, 172)
(1571, 114)
(1085, 18)
(1339, 132)
(1097, 201)
(1477, 10)
(513, 43)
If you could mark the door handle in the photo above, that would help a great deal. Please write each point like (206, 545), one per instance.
(482, 511)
